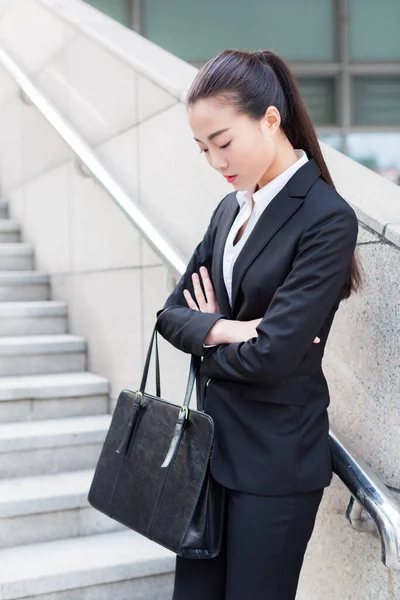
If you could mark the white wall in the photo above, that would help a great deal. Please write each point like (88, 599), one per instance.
(125, 96)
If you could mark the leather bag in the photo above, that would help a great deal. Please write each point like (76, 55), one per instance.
(153, 473)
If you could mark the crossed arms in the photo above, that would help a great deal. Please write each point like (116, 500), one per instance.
(294, 317)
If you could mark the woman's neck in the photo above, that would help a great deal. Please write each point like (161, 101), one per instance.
(285, 157)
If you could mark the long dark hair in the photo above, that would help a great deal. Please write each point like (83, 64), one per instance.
(252, 81)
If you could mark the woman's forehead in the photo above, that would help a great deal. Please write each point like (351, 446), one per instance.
(209, 108)
(206, 116)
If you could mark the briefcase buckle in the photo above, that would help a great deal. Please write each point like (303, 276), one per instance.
(185, 411)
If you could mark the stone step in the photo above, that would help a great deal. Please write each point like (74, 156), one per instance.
(49, 507)
(35, 354)
(31, 448)
(38, 397)
(3, 209)
(117, 565)
(16, 257)
(19, 286)
(33, 318)
(9, 230)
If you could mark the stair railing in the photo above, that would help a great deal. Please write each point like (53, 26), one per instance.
(93, 165)
(373, 508)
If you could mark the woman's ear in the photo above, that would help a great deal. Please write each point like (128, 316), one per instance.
(273, 119)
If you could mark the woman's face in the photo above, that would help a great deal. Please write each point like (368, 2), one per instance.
(247, 147)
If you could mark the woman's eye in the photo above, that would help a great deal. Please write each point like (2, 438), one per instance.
(222, 147)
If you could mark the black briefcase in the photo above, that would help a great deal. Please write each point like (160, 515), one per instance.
(153, 473)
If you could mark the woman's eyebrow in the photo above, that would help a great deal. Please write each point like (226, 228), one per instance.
(213, 135)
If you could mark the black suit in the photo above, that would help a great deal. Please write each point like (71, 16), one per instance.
(268, 396)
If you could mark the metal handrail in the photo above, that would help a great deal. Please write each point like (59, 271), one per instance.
(371, 494)
(377, 509)
(90, 160)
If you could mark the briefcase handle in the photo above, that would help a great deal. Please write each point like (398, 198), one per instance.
(195, 363)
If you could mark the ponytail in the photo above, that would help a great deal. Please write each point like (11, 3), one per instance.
(298, 125)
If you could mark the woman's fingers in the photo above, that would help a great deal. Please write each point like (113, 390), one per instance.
(209, 289)
(190, 302)
(207, 303)
(198, 292)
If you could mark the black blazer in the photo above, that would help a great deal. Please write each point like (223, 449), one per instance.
(268, 396)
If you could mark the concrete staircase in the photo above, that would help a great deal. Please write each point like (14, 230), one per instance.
(53, 421)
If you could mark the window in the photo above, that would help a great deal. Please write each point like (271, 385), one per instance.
(120, 10)
(374, 30)
(319, 94)
(376, 101)
(196, 31)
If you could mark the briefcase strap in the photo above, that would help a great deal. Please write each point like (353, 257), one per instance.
(153, 338)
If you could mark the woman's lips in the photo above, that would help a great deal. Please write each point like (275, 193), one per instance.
(230, 178)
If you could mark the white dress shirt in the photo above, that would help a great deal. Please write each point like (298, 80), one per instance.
(262, 198)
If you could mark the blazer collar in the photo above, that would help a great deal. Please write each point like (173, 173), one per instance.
(273, 217)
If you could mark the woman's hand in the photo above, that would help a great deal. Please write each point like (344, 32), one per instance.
(253, 333)
(228, 331)
(209, 304)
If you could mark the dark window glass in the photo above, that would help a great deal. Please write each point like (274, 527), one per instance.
(117, 9)
(374, 30)
(319, 94)
(196, 31)
(376, 101)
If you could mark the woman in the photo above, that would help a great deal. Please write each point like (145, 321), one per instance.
(257, 301)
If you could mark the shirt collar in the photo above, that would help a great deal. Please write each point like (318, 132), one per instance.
(265, 194)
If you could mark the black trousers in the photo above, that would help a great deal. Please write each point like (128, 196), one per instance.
(264, 541)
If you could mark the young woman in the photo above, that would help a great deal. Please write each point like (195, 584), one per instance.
(257, 302)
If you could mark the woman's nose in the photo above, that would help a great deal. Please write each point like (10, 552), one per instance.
(218, 163)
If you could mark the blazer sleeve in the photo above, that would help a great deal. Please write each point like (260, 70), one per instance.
(184, 327)
(298, 308)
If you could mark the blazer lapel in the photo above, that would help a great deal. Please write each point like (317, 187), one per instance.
(224, 226)
(273, 217)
